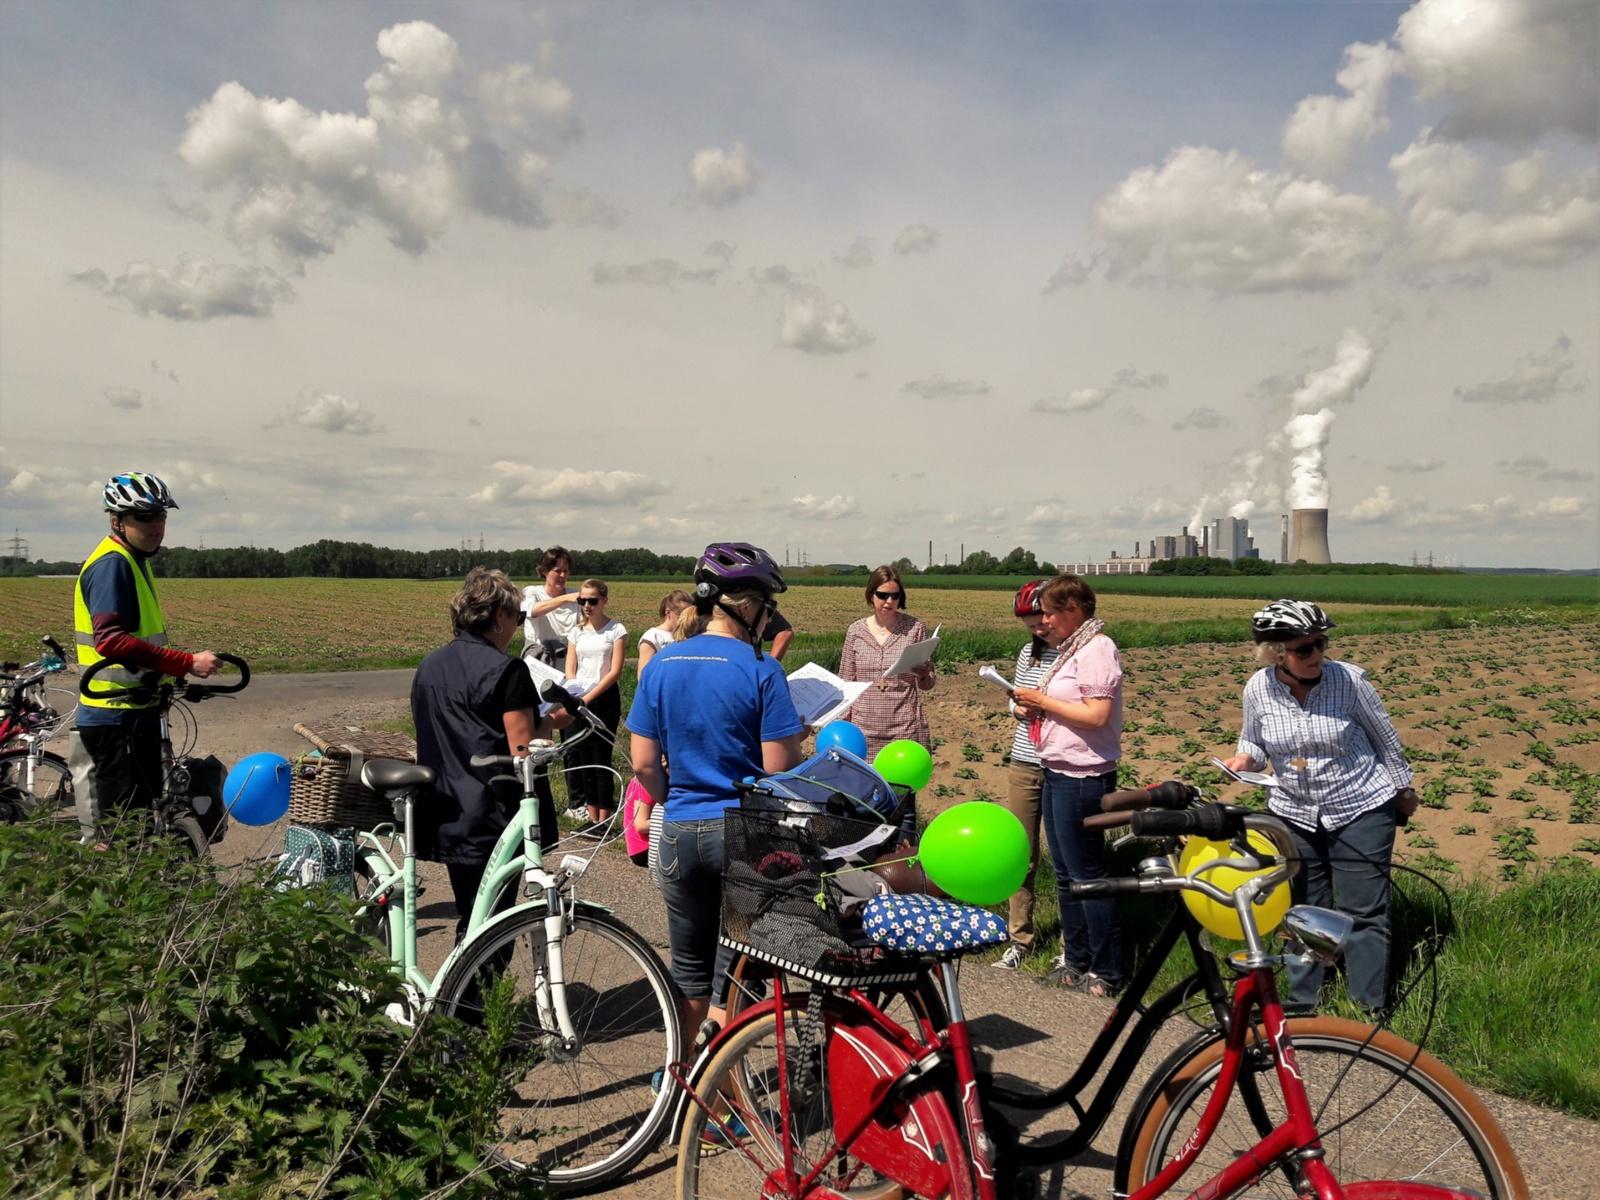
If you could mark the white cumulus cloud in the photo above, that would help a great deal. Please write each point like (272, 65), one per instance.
(332, 413)
(814, 324)
(937, 387)
(1511, 70)
(1217, 220)
(570, 487)
(656, 272)
(196, 289)
(720, 178)
(824, 508)
(1379, 506)
(1081, 400)
(1324, 131)
(123, 397)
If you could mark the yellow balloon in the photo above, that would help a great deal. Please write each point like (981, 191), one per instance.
(1223, 919)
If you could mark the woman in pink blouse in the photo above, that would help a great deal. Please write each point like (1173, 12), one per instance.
(891, 708)
(1075, 718)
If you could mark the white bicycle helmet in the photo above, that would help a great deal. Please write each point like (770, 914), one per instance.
(1285, 619)
(137, 491)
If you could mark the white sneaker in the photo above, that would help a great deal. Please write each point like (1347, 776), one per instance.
(1011, 960)
(577, 813)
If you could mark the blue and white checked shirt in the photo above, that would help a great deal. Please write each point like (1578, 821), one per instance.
(1336, 758)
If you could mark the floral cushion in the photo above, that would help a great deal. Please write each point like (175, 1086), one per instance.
(917, 924)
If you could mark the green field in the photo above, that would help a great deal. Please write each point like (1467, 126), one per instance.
(316, 624)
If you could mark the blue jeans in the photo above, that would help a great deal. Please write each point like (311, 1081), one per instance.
(1348, 869)
(1090, 936)
(690, 860)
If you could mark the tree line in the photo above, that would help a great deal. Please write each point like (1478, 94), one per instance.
(362, 560)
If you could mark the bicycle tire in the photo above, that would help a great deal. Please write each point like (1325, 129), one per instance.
(18, 800)
(186, 832)
(710, 1169)
(1445, 1130)
(586, 1117)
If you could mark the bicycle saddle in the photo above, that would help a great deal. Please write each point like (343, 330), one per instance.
(392, 775)
(928, 925)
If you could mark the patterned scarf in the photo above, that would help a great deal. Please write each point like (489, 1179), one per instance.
(1081, 638)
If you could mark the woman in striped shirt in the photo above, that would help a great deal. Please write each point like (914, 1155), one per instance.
(1025, 781)
(1343, 785)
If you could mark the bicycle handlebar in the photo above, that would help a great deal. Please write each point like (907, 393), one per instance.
(1214, 821)
(150, 684)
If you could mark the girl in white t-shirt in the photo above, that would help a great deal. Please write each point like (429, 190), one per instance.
(596, 650)
(657, 636)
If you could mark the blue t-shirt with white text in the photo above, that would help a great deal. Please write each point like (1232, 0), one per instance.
(710, 703)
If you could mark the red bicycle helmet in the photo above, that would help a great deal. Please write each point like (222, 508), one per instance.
(1029, 600)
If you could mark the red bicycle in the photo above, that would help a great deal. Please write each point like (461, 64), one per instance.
(820, 1095)
(32, 779)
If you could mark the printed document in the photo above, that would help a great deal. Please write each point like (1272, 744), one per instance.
(821, 696)
(915, 655)
(989, 674)
(1253, 778)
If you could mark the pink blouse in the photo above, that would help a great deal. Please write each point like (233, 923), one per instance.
(1095, 672)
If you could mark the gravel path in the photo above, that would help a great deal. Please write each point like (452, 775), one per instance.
(1033, 1032)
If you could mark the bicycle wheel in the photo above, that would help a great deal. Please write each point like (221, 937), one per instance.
(186, 832)
(741, 1085)
(582, 1114)
(46, 789)
(1385, 1111)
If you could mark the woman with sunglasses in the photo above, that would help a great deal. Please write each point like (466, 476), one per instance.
(1343, 785)
(596, 650)
(891, 708)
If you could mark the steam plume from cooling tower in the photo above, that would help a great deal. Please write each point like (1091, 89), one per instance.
(1308, 430)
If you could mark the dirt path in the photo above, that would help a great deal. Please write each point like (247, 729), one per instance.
(1032, 1031)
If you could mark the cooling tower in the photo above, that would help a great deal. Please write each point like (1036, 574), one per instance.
(1310, 536)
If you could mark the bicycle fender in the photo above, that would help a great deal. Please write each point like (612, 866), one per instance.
(1147, 1096)
(913, 1140)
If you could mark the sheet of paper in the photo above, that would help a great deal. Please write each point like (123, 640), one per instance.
(544, 673)
(1253, 778)
(821, 696)
(915, 655)
(988, 673)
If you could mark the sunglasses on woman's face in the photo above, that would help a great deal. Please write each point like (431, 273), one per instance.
(887, 596)
(1306, 649)
(588, 600)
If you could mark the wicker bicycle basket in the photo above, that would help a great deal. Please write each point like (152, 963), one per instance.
(781, 901)
(326, 789)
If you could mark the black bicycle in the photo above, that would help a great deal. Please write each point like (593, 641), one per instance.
(188, 806)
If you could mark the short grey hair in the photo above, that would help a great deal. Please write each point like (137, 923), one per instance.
(483, 596)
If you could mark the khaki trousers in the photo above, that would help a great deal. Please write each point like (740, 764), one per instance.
(1025, 783)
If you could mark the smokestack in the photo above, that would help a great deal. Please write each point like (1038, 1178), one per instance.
(1283, 551)
(1205, 540)
(1310, 536)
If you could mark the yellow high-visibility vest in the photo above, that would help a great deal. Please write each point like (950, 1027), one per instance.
(152, 628)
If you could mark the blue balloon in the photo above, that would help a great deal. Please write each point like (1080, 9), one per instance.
(257, 789)
(844, 735)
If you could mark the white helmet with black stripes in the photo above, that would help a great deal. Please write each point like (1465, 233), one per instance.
(1285, 619)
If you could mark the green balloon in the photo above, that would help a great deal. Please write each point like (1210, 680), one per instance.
(976, 852)
(905, 762)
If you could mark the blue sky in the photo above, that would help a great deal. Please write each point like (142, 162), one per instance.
(850, 275)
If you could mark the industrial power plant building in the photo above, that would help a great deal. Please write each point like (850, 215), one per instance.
(1226, 537)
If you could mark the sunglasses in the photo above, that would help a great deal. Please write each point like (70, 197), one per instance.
(588, 600)
(1306, 649)
(148, 518)
(887, 596)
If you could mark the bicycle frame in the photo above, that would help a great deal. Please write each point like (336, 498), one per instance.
(517, 852)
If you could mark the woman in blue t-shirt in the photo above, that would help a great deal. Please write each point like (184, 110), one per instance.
(720, 711)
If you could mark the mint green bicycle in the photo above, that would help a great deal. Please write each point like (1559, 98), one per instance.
(595, 1007)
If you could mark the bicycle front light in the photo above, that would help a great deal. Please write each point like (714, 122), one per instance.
(1319, 933)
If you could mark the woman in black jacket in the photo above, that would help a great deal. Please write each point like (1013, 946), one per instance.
(469, 698)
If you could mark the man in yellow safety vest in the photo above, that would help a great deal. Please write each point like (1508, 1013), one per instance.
(115, 751)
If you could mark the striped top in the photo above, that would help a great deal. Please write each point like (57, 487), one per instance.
(1336, 758)
(1028, 676)
(890, 708)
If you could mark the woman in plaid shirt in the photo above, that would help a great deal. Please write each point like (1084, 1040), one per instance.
(1343, 785)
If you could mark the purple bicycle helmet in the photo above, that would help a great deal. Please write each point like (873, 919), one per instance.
(736, 567)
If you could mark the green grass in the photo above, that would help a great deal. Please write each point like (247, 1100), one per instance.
(1442, 590)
